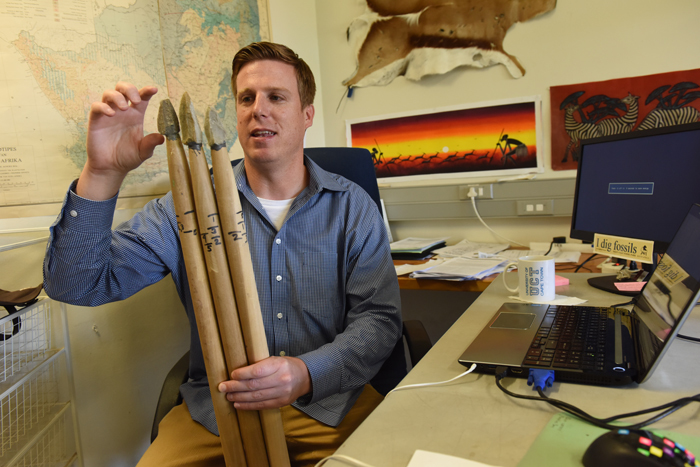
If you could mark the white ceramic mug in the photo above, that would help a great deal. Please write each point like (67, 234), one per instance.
(535, 278)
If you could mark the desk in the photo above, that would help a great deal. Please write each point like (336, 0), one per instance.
(473, 419)
(408, 283)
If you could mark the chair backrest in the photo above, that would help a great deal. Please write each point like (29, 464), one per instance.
(355, 164)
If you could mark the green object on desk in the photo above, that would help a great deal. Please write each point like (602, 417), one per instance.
(565, 438)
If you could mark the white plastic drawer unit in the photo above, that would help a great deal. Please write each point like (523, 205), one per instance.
(37, 420)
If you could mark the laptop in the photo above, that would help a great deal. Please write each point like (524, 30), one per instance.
(598, 345)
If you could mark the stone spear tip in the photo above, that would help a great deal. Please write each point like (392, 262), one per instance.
(214, 129)
(191, 132)
(168, 125)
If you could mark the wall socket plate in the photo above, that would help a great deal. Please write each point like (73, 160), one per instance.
(537, 207)
(483, 191)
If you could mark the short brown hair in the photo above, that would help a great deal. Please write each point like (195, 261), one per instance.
(271, 51)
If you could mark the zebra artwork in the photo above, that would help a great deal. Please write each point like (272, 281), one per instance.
(577, 131)
(624, 123)
(672, 106)
(608, 109)
(658, 118)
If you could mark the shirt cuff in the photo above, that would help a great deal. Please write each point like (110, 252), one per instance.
(325, 368)
(82, 214)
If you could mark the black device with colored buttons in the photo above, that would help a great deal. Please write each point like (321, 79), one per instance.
(636, 448)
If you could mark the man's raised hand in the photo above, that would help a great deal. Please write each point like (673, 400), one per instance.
(115, 141)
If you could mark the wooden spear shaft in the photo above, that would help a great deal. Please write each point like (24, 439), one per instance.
(243, 277)
(200, 292)
(220, 277)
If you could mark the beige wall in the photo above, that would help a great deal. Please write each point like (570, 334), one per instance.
(579, 41)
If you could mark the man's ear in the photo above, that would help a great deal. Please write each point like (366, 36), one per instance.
(309, 113)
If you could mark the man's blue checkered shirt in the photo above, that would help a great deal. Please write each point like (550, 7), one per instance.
(327, 286)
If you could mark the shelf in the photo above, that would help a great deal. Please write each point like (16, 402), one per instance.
(27, 371)
(25, 338)
(37, 417)
(47, 445)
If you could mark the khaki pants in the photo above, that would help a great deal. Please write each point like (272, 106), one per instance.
(183, 442)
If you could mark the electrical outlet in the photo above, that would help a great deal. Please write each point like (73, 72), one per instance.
(484, 191)
(537, 207)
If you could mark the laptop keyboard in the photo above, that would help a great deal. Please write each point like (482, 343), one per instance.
(571, 337)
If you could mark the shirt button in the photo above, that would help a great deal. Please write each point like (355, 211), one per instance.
(73, 213)
(279, 278)
(279, 315)
(283, 353)
(278, 241)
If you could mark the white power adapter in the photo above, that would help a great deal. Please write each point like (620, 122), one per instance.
(610, 268)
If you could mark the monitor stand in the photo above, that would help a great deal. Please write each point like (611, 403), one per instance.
(607, 283)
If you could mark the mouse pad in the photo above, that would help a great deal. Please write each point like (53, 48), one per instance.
(565, 438)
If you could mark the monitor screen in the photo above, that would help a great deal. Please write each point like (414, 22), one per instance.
(638, 184)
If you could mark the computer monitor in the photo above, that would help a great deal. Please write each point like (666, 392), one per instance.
(638, 184)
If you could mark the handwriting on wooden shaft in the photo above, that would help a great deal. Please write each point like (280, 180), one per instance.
(191, 222)
(212, 237)
(181, 227)
(239, 235)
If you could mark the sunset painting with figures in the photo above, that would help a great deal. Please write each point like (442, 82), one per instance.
(500, 138)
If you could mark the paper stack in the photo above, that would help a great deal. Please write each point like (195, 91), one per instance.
(467, 249)
(415, 247)
(462, 269)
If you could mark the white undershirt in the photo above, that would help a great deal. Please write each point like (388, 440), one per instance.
(276, 210)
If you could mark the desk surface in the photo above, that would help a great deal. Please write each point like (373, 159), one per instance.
(408, 283)
(471, 418)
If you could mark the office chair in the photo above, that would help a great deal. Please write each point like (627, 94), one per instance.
(356, 165)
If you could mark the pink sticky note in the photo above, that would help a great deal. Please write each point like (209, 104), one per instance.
(558, 280)
(633, 286)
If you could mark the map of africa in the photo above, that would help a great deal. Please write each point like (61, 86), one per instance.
(58, 56)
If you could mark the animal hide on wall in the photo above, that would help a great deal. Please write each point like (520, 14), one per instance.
(416, 38)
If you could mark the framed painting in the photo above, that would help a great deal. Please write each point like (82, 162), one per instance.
(605, 108)
(484, 139)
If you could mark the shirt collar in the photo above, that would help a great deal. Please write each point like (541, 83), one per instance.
(318, 179)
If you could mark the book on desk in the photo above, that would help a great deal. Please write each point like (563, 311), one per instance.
(415, 248)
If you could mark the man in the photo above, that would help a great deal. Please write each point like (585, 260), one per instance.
(327, 287)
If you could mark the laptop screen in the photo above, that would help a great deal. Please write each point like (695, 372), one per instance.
(670, 292)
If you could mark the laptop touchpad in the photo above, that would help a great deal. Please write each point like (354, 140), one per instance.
(514, 321)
